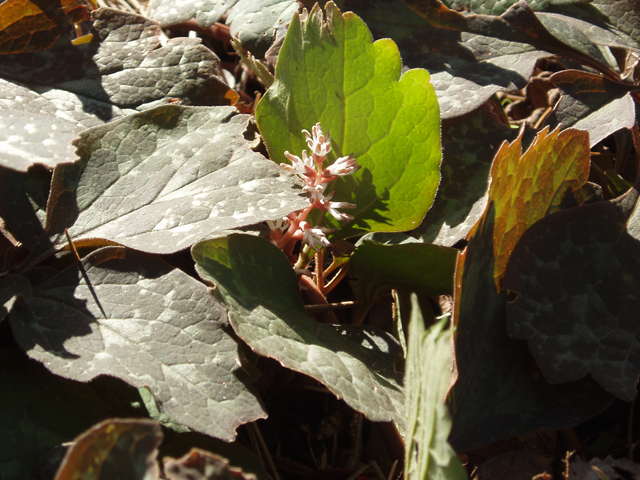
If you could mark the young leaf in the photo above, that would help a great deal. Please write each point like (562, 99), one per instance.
(179, 174)
(262, 293)
(132, 316)
(576, 276)
(116, 449)
(526, 187)
(427, 380)
(330, 71)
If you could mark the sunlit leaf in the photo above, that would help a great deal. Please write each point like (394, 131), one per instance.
(147, 323)
(262, 293)
(427, 380)
(179, 174)
(330, 71)
(526, 187)
(465, 69)
(591, 102)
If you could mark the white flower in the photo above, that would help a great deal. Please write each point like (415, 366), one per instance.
(315, 237)
(319, 144)
(316, 192)
(303, 167)
(342, 166)
(281, 224)
(332, 209)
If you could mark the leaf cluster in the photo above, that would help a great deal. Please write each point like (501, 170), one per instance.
(490, 272)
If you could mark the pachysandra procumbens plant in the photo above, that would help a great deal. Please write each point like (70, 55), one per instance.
(286, 232)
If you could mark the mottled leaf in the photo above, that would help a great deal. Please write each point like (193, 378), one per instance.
(469, 144)
(330, 71)
(205, 12)
(591, 102)
(201, 465)
(34, 25)
(178, 174)
(262, 293)
(465, 69)
(57, 105)
(427, 380)
(498, 7)
(500, 391)
(124, 65)
(122, 449)
(526, 187)
(423, 268)
(39, 412)
(147, 323)
(29, 138)
(257, 23)
(576, 276)
(624, 14)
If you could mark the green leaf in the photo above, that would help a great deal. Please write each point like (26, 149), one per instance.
(147, 323)
(202, 465)
(423, 268)
(330, 71)
(179, 174)
(39, 412)
(262, 294)
(591, 102)
(469, 144)
(576, 276)
(427, 380)
(124, 65)
(123, 449)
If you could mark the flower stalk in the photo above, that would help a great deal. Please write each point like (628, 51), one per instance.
(286, 232)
